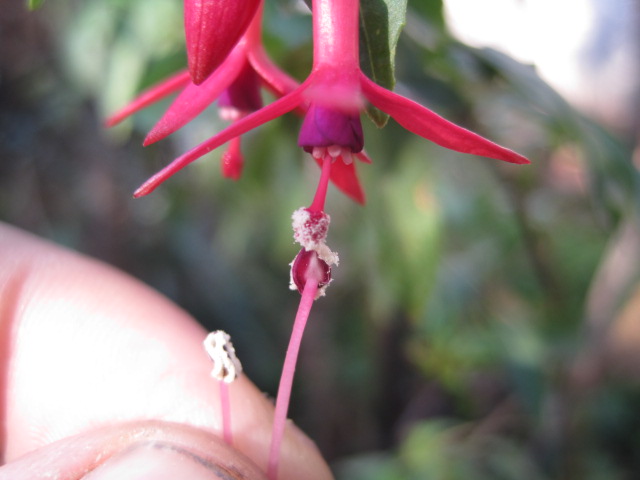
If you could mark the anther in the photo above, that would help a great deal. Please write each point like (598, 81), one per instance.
(229, 114)
(226, 366)
(318, 152)
(335, 151)
(310, 227)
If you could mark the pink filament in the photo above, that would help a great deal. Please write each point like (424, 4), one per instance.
(288, 371)
(225, 406)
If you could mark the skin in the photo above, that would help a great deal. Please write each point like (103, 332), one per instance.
(99, 371)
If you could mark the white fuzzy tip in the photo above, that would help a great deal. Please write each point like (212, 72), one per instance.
(226, 366)
(310, 228)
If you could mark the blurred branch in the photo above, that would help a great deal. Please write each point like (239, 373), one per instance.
(537, 249)
(616, 274)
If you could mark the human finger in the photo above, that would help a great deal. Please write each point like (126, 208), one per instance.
(85, 346)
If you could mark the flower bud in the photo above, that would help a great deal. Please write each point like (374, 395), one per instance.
(212, 29)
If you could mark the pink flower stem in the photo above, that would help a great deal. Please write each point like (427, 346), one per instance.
(225, 406)
(335, 33)
(288, 371)
(321, 193)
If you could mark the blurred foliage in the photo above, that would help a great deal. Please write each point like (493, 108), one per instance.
(381, 22)
(34, 4)
(467, 331)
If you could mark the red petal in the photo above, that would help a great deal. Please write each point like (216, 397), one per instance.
(363, 157)
(345, 178)
(212, 29)
(427, 124)
(152, 95)
(195, 98)
(265, 114)
(232, 160)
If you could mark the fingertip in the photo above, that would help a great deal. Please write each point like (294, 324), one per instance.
(149, 449)
(167, 461)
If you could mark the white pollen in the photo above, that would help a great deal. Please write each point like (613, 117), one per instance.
(326, 254)
(226, 366)
(307, 231)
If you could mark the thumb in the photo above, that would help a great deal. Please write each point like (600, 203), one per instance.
(140, 450)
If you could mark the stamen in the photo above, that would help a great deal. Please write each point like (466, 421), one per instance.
(334, 150)
(226, 368)
(230, 114)
(318, 152)
(347, 158)
(225, 406)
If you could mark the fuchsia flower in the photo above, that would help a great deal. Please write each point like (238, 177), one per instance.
(332, 99)
(334, 95)
(235, 84)
(212, 30)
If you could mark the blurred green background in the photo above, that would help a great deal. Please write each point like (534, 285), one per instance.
(485, 318)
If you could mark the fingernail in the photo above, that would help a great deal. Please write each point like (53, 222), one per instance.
(160, 461)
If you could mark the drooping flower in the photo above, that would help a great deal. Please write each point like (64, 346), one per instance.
(335, 92)
(235, 84)
(212, 29)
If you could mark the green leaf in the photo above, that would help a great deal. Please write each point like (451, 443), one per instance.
(381, 22)
(431, 11)
(34, 4)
